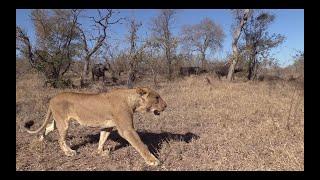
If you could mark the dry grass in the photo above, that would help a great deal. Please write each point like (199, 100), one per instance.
(217, 126)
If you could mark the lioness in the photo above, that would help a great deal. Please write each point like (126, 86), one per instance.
(105, 110)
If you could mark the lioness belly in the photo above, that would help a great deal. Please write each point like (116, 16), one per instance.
(95, 123)
(93, 120)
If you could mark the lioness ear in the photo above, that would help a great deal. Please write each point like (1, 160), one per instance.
(141, 91)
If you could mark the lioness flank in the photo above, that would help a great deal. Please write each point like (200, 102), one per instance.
(105, 110)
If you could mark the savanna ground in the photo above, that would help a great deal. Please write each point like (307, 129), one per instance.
(217, 126)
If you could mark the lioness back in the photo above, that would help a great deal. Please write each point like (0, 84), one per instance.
(88, 109)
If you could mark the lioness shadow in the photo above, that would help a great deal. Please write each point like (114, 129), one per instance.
(152, 140)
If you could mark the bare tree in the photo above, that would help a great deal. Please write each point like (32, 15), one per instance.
(101, 23)
(133, 56)
(162, 35)
(152, 52)
(56, 42)
(258, 42)
(299, 63)
(109, 56)
(207, 35)
(241, 17)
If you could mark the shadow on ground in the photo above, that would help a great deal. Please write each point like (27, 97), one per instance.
(152, 140)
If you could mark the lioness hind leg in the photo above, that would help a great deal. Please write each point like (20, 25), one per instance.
(62, 126)
(67, 150)
(50, 127)
(103, 137)
(133, 138)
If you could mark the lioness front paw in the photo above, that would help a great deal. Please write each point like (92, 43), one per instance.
(105, 153)
(41, 138)
(153, 162)
(71, 153)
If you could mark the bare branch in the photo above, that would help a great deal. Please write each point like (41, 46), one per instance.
(101, 22)
(22, 36)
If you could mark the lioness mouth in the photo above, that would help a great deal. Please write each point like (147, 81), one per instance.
(156, 112)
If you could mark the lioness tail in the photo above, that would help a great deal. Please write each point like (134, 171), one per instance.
(49, 113)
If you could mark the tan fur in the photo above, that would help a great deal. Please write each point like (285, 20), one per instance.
(105, 110)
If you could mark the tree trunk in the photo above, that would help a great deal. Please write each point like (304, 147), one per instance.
(86, 67)
(255, 70)
(85, 72)
(131, 77)
(252, 68)
(203, 59)
(232, 67)
(235, 52)
(169, 64)
(170, 70)
(154, 73)
(250, 71)
(132, 64)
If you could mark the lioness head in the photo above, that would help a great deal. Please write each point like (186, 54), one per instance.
(150, 101)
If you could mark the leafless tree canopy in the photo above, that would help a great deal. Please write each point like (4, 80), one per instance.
(162, 35)
(56, 42)
(104, 19)
(257, 40)
(134, 54)
(207, 35)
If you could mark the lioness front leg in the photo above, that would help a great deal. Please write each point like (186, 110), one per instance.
(103, 137)
(133, 138)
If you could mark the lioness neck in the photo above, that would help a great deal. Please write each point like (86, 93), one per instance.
(133, 99)
(128, 96)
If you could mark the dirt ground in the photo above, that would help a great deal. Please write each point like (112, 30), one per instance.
(218, 126)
